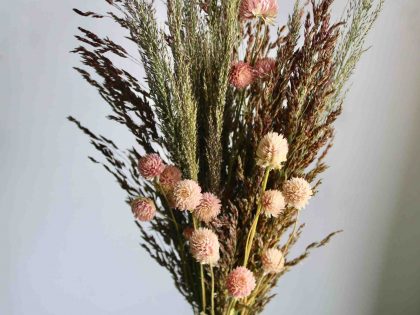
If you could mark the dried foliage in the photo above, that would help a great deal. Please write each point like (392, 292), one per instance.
(193, 117)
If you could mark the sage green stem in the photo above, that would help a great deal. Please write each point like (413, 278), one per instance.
(252, 231)
(251, 299)
(178, 232)
(212, 290)
(231, 307)
(203, 287)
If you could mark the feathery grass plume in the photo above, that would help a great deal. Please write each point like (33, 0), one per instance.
(359, 17)
(224, 139)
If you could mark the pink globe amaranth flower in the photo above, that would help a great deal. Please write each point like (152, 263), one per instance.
(170, 176)
(240, 282)
(297, 192)
(187, 233)
(187, 195)
(272, 203)
(241, 75)
(265, 67)
(265, 9)
(143, 209)
(272, 150)
(151, 166)
(272, 261)
(204, 246)
(208, 208)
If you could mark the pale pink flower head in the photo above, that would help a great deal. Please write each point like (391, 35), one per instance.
(272, 261)
(265, 67)
(151, 166)
(241, 75)
(297, 192)
(187, 195)
(272, 150)
(264, 9)
(143, 209)
(240, 282)
(272, 203)
(204, 246)
(187, 233)
(208, 208)
(170, 176)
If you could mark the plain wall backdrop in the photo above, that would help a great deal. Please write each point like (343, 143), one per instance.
(68, 242)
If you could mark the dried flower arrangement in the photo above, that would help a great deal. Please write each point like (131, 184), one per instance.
(231, 133)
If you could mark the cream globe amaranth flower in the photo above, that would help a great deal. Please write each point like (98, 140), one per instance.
(240, 282)
(209, 207)
(272, 260)
(204, 246)
(265, 67)
(151, 166)
(264, 9)
(169, 177)
(297, 192)
(272, 151)
(273, 203)
(143, 209)
(187, 195)
(241, 75)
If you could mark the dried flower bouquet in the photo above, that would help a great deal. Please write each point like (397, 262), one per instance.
(231, 133)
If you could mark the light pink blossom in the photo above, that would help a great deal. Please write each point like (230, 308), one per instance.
(170, 176)
(297, 192)
(272, 150)
(187, 195)
(272, 260)
(241, 75)
(265, 9)
(204, 246)
(265, 67)
(272, 203)
(143, 209)
(208, 208)
(151, 166)
(240, 282)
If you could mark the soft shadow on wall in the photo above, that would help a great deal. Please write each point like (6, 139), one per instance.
(399, 287)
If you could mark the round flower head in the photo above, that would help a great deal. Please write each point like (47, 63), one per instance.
(143, 209)
(265, 67)
(208, 208)
(272, 150)
(170, 176)
(272, 261)
(188, 231)
(297, 192)
(272, 203)
(204, 246)
(151, 166)
(265, 9)
(240, 282)
(187, 195)
(241, 75)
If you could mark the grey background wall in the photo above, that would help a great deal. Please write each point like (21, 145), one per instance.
(68, 242)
